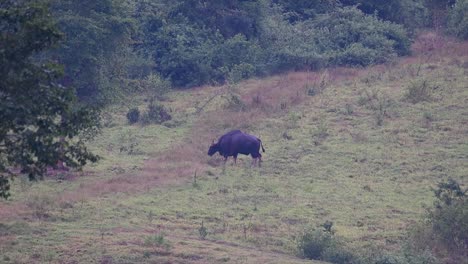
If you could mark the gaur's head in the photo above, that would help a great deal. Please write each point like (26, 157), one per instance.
(213, 149)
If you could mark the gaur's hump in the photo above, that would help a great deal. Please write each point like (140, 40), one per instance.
(232, 132)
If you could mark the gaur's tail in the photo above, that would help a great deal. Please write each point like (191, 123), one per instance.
(261, 144)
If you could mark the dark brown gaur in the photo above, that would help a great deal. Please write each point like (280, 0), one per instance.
(237, 142)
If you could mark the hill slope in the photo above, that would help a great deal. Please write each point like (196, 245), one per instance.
(358, 147)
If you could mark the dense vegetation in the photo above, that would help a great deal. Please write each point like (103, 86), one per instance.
(111, 46)
(40, 119)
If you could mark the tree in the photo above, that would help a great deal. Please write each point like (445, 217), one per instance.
(40, 120)
(306, 9)
(457, 23)
(411, 13)
(97, 34)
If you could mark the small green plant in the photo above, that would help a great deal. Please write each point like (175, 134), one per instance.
(150, 217)
(367, 97)
(378, 102)
(234, 102)
(348, 109)
(427, 118)
(146, 254)
(195, 183)
(128, 143)
(327, 226)
(202, 231)
(156, 240)
(293, 120)
(133, 115)
(311, 91)
(287, 136)
(321, 132)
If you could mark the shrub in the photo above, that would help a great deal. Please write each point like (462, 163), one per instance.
(322, 244)
(237, 58)
(449, 216)
(157, 241)
(202, 231)
(156, 85)
(321, 132)
(289, 46)
(128, 143)
(312, 244)
(349, 37)
(153, 84)
(133, 115)
(337, 254)
(411, 13)
(379, 103)
(445, 229)
(156, 114)
(457, 23)
(407, 256)
(419, 91)
(234, 102)
(240, 71)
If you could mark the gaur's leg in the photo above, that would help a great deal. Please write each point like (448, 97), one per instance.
(254, 161)
(257, 157)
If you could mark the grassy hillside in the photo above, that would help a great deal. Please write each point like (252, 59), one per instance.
(358, 147)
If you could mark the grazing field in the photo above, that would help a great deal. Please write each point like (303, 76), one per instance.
(360, 148)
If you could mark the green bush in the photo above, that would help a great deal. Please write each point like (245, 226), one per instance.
(237, 58)
(350, 37)
(133, 115)
(155, 114)
(445, 229)
(345, 36)
(412, 13)
(449, 217)
(157, 240)
(405, 257)
(339, 255)
(313, 244)
(419, 91)
(457, 23)
(322, 244)
(189, 48)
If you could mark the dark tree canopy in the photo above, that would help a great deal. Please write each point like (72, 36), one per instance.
(40, 120)
(95, 35)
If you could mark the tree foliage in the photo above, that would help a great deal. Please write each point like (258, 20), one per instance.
(97, 34)
(306, 9)
(198, 42)
(458, 19)
(39, 118)
(448, 218)
(349, 37)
